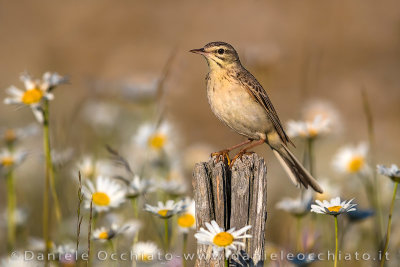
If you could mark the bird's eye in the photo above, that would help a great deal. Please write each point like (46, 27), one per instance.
(220, 51)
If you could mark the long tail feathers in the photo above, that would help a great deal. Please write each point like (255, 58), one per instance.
(296, 172)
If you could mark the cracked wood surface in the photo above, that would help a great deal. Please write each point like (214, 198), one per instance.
(233, 198)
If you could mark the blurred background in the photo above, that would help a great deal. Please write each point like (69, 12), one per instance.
(117, 52)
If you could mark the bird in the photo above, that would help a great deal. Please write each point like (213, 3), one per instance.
(242, 104)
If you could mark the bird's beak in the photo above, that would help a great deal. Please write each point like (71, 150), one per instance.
(200, 51)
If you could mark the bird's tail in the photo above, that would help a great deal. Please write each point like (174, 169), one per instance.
(297, 173)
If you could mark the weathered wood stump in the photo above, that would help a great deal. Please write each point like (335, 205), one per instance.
(233, 198)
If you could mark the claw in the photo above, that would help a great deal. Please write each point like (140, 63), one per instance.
(224, 154)
(240, 155)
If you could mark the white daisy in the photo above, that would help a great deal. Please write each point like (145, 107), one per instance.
(61, 157)
(221, 240)
(187, 219)
(352, 160)
(139, 186)
(333, 207)
(12, 135)
(153, 138)
(90, 167)
(324, 109)
(393, 172)
(11, 159)
(51, 79)
(20, 217)
(296, 206)
(145, 251)
(107, 194)
(35, 91)
(167, 210)
(105, 234)
(309, 129)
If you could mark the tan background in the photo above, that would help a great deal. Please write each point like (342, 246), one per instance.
(298, 50)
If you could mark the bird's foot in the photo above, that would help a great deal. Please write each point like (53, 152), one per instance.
(221, 156)
(240, 155)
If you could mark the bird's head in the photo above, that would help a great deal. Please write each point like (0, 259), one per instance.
(219, 55)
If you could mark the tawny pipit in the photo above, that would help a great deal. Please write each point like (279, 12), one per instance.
(239, 101)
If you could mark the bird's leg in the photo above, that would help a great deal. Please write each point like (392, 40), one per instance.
(248, 141)
(243, 151)
(225, 152)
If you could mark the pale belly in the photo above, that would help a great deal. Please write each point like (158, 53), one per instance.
(238, 110)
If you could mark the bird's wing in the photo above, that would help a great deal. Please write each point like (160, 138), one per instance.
(260, 95)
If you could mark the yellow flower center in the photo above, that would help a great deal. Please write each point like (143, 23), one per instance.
(10, 135)
(157, 141)
(50, 244)
(32, 96)
(163, 213)
(7, 161)
(334, 208)
(103, 235)
(101, 199)
(146, 257)
(355, 164)
(312, 132)
(186, 220)
(223, 239)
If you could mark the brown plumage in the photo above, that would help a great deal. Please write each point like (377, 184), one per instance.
(241, 103)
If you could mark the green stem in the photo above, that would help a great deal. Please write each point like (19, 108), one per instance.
(389, 224)
(336, 241)
(49, 161)
(49, 183)
(166, 229)
(46, 217)
(184, 249)
(11, 205)
(226, 263)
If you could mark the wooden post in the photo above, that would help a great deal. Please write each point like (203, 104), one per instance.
(233, 198)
